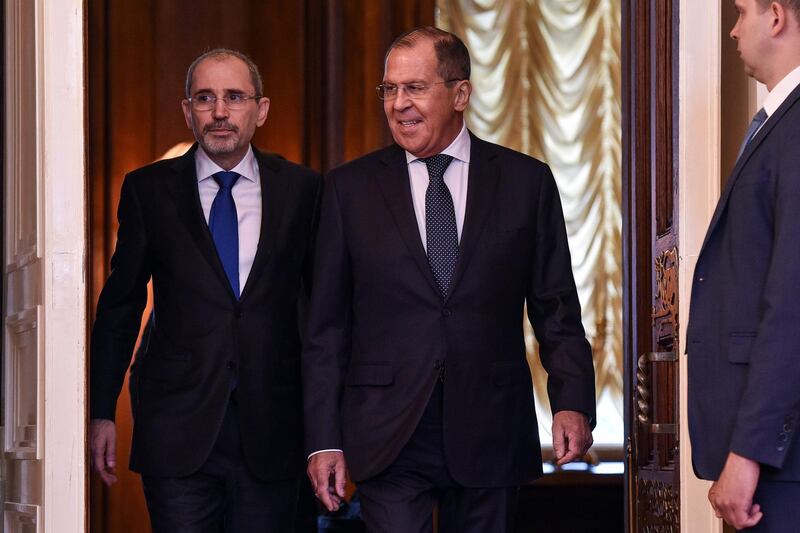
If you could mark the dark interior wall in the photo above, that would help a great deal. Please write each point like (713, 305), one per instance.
(320, 60)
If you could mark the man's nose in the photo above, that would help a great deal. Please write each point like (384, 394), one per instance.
(401, 100)
(220, 109)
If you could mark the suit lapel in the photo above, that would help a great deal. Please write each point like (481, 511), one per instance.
(748, 151)
(186, 196)
(481, 187)
(275, 188)
(396, 190)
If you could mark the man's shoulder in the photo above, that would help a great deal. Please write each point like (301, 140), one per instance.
(280, 165)
(377, 159)
(157, 171)
(508, 156)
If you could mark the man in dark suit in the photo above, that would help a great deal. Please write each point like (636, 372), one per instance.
(225, 233)
(415, 363)
(743, 339)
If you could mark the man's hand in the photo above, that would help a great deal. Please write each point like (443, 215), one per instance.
(731, 495)
(322, 468)
(103, 442)
(572, 436)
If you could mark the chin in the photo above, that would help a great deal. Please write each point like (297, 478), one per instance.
(220, 148)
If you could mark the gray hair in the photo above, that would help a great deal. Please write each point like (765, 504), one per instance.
(452, 55)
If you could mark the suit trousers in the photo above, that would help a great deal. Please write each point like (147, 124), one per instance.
(402, 498)
(223, 496)
(778, 501)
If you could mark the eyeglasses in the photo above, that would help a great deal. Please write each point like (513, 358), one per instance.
(413, 90)
(207, 101)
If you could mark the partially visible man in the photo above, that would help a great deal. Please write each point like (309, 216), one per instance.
(415, 360)
(743, 338)
(225, 232)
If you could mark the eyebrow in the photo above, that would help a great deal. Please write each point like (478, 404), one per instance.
(224, 91)
(385, 82)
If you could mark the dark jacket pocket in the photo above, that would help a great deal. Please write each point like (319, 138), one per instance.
(739, 346)
(374, 375)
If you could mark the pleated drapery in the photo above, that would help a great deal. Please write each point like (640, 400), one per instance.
(547, 82)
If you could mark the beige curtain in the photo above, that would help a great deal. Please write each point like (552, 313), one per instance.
(546, 76)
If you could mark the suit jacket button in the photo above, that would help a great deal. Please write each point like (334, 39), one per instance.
(446, 312)
(782, 437)
(787, 428)
(781, 448)
(239, 313)
(231, 365)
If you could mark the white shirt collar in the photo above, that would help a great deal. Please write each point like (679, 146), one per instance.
(247, 167)
(458, 149)
(781, 91)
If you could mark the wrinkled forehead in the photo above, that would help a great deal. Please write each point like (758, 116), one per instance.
(222, 73)
(405, 64)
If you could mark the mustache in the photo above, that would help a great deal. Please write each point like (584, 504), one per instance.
(220, 125)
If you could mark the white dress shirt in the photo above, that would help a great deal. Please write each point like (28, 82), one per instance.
(247, 196)
(455, 177)
(780, 92)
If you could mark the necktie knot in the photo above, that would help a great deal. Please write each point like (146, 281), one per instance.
(437, 164)
(226, 180)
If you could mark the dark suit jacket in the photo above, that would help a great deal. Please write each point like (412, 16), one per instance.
(202, 337)
(743, 339)
(379, 331)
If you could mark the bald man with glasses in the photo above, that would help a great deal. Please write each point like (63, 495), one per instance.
(225, 233)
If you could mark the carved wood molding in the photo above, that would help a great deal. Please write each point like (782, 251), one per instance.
(665, 307)
(659, 507)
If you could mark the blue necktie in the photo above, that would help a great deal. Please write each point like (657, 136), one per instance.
(440, 224)
(758, 120)
(224, 226)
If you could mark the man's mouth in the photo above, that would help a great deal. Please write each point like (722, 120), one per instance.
(409, 123)
(221, 129)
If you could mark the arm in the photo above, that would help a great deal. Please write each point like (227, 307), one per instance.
(326, 352)
(119, 313)
(555, 314)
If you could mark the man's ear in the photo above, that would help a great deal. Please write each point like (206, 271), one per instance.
(187, 112)
(463, 92)
(778, 15)
(263, 110)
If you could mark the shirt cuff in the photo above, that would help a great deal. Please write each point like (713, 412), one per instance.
(320, 451)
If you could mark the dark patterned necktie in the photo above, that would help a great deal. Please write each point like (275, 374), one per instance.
(440, 224)
(224, 225)
(758, 120)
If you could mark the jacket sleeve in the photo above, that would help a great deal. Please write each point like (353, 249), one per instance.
(555, 312)
(120, 307)
(326, 350)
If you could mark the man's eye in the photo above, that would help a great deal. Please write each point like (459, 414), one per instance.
(390, 89)
(235, 97)
(416, 88)
(205, 98)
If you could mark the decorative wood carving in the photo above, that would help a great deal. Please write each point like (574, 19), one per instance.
(659, 507)
(665, 308)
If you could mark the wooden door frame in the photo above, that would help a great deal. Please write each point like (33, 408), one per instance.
(698, 161)
(53, 298)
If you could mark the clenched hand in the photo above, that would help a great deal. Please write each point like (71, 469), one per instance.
(572, 436)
